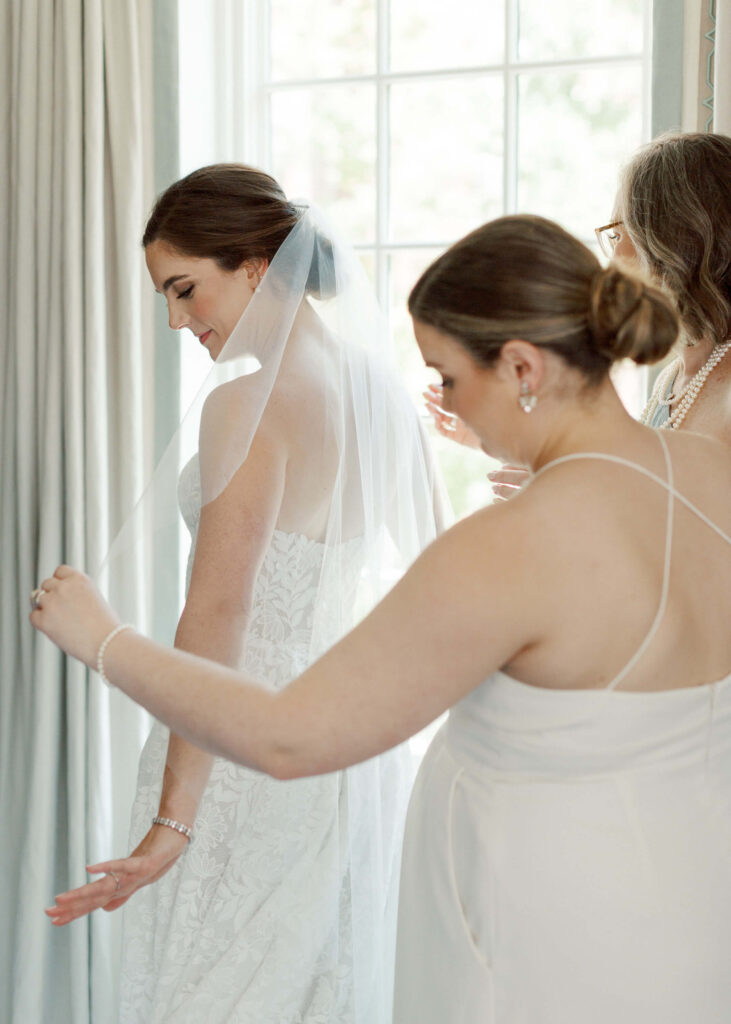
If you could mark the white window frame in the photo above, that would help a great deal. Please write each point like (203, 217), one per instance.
(243, 88)
(231, 66)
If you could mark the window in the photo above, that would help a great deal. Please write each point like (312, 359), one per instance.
(412, 121)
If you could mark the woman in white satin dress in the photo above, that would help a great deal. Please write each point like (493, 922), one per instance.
(568, 846)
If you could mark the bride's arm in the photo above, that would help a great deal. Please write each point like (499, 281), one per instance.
(233, 535)
(462, 611)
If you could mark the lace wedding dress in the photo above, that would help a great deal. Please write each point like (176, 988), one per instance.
(253, 925)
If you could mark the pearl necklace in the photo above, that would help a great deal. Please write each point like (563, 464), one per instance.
(689, 393)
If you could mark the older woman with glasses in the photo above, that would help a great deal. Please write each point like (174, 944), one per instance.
(672, 218)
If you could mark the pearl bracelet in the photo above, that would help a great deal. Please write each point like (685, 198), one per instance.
(103, 650)
(184, 830)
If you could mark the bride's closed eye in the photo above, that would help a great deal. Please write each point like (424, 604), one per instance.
(187, 293)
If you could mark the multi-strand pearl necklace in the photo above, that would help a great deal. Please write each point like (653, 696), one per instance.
(689, 393)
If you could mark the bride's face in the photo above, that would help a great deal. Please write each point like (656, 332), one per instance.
(200, 295)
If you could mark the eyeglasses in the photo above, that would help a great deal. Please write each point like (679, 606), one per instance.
(607, 237)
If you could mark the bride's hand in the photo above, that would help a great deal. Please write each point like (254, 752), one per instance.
(72, 613)
(447, 423)
(155, 855)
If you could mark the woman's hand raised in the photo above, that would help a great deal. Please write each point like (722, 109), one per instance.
(154, 856)
(506, 481)
(447, 423)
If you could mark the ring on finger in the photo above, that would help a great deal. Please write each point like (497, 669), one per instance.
(116, 879)
(35, 598)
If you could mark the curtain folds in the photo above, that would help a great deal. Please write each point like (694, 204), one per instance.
(78, 402)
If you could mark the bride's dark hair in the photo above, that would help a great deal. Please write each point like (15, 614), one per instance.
(231, 213)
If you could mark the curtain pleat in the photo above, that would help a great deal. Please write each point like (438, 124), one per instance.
(77, 406)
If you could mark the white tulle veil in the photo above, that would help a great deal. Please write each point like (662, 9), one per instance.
(386, 504)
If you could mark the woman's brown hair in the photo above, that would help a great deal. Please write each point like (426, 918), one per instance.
(231, 213)
(675, 202)
(525, 277)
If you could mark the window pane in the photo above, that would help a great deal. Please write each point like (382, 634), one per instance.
(575, 129)
(197, 45)
(446, 157)
(404, 268)
(323, 149)
(598, 28)
(434, 34)
(464, 469)
(322, 38)
(368, 258)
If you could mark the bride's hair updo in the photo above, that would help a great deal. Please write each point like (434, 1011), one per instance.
(231, 213)
(525, 277)
(675, 202)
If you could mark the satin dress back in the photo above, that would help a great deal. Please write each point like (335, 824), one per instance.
(568, 855)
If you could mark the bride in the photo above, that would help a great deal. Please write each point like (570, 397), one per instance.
(311, 487)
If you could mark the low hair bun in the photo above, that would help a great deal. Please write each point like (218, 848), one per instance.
(629, 319)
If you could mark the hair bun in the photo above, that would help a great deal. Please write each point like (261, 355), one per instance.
(629, 319)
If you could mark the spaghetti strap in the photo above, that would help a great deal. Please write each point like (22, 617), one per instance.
(673, 495)
(650, 636)
(618, 461)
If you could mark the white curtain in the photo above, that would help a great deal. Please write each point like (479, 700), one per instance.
(76, 352)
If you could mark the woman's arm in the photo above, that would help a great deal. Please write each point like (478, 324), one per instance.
(441, 630)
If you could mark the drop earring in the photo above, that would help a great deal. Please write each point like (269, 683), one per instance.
(526, 399)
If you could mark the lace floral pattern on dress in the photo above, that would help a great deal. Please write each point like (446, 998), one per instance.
(253, 923)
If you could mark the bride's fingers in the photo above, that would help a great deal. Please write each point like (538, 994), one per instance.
(63, 571)
(64, 914)
(91, 889)
(70, 905)
(116, 904)
(67, 916)
(106, 893)
(120, 864)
